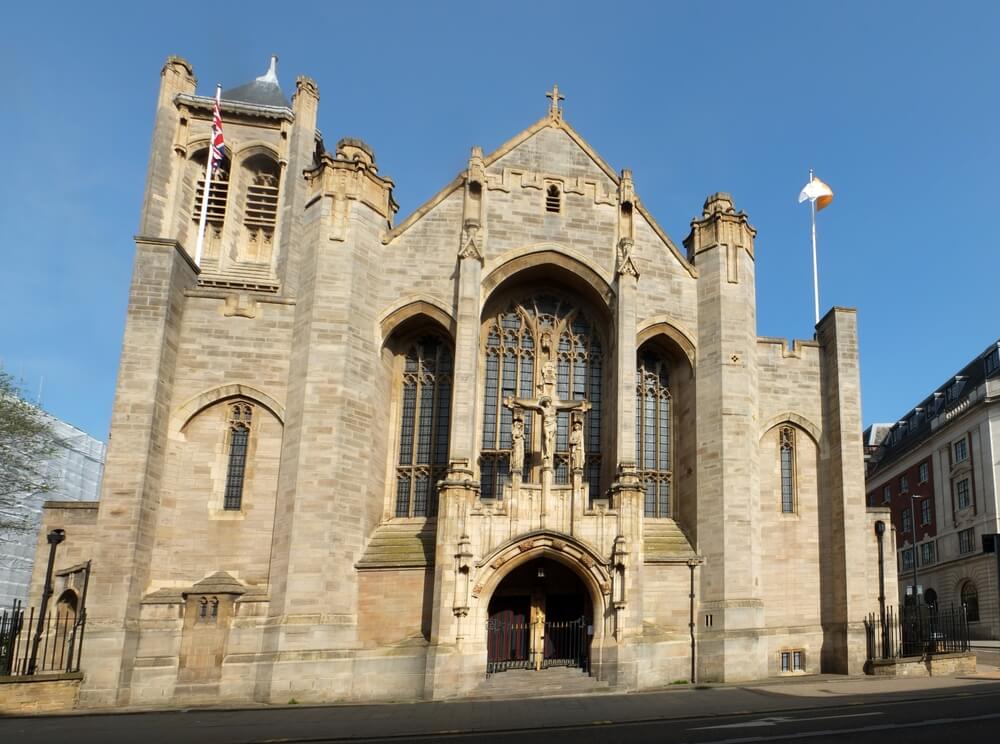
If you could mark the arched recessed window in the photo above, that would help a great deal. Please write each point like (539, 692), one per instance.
(260, 210)
(203, 608)
(653, 433)
(970, 600)
(786, 449)
(423, 426)
(534, 337)
(218, 197)
(214, 605)
(240, 416)
(553, 199)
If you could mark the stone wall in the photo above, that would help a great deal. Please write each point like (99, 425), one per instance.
(938, 665)
(41, 694)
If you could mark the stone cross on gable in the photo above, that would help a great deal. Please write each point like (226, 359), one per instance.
(555, 110)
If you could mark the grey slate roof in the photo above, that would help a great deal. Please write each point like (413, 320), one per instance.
(263, 91)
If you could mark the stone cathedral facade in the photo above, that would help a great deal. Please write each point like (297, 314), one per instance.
(354, 457)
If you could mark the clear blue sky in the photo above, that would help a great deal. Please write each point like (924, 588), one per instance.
(895, 104)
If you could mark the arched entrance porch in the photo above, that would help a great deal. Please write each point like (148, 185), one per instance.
(540, 615)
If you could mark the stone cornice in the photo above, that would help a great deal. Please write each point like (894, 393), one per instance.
(168, 243)
(254, 111)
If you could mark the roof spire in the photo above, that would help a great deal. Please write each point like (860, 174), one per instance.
(271, 76)
(555, 110)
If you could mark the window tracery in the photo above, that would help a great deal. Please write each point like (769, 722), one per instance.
(424, 424)
(653, 430)
(540, 340)
(240, 418)
(786, 438)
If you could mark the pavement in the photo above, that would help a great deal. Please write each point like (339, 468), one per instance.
(700, 712)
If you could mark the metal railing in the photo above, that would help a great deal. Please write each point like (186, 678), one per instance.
(567, 644)
(562, 643)
(508, 645)
(58, 648)
(916, 631)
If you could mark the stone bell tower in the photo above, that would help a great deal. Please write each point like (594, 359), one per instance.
(721, 247)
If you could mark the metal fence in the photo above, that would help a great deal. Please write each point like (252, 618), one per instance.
(562, 643)
(32, 645)
(567, 644)
(916, 631)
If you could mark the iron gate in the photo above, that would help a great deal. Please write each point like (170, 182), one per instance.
(567, 644)
(508, 645)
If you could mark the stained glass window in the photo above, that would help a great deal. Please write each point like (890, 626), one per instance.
(787, 450)
(240, 416)
(518, 341)
(653, 433)
(424, 420)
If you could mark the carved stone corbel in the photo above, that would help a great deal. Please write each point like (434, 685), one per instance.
(627, 202)
(463, 572)
(471, 244)
(624, 264)
(470, 241)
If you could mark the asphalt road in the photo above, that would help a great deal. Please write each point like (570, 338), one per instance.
(709, 716)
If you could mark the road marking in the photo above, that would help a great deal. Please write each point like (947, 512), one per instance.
(858, 730)
(775, 720)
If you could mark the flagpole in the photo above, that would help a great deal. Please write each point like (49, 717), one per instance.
(208, 187)
(812, 205)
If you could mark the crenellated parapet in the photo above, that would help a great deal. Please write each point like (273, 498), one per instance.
(720, 225)
(350, 175)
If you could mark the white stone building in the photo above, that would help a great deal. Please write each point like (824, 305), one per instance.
(356, 458)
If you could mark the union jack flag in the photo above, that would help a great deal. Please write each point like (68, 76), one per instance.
(217, 140)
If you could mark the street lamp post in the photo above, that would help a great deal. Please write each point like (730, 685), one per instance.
(54, 538)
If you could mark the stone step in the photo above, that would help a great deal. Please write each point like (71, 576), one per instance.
(551, 682)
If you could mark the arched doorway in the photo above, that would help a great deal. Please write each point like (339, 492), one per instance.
(540, 616)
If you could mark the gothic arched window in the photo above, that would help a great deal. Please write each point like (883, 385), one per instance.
(423, 426)
(240, 417)
(653, 433)
(530, 336)
(786, 448)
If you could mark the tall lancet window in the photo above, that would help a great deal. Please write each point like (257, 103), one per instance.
(542, 345)
(240, 417)
(423, 426)
(786, 438)
(653, 433)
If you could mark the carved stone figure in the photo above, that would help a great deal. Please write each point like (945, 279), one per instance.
(550, 424)
(548, 384)
(577, 454)
(517, 444)
(625, 263)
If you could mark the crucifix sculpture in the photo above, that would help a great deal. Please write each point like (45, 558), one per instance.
(548, 407)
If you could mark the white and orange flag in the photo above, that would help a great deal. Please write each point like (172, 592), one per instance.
(817, 192)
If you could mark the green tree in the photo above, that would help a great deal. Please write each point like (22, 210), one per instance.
(26, 444)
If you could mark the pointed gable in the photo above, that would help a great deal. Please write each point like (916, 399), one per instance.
(553, 147)
(551, 151)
